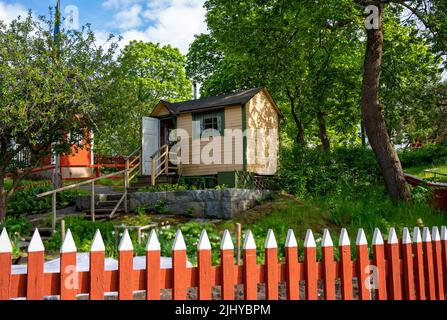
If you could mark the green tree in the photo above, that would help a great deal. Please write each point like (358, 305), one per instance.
(48, 88)
(145, 74)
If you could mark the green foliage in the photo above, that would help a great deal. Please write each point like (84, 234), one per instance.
(312, 172)
(26, 202)
(146, 73)
(426, 155)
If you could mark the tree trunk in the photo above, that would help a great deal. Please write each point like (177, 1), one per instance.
(2, 198)
(299, 139)
(322, 132)
(374, 121)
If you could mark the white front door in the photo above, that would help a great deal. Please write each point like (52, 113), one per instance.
(150, 144)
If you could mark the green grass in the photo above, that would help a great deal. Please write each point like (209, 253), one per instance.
(419, 171)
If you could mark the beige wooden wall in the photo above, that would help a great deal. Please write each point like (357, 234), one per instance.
(233, 120)
(261, 114)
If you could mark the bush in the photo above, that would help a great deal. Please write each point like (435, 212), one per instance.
(311, 172)
(26, 202)
(428, 154)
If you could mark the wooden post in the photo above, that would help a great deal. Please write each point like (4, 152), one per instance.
(271, 266)
(227, 265)
(394, 271)
(126, 186)
(292, 267)
(204, 267)
(250, 268)
(69, 280)
(419, 264)
(408, 266)
(125, 268)
(444, 256)
(167, 160)
(428, 265)
(53, 212)
(310, 265)
(437, 257)
(238, 243)
(35, 278)
(153, 267)
(63, 229)
(345, 265)
(379, 262)
(97, 256)
(362, 266)
(154, 172)
(5, 265)
(92, 202)
(179, 289)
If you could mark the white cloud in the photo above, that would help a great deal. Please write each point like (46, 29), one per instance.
(9, 12)
(173, 22)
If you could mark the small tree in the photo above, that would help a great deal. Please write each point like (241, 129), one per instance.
(48, 88)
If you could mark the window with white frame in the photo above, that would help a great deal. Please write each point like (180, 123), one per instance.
(208, 124)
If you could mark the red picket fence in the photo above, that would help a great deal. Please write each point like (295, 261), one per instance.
(410, 269)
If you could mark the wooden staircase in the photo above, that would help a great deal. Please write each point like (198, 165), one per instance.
(105, 207)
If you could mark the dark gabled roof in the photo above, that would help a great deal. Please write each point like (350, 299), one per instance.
(212, 102)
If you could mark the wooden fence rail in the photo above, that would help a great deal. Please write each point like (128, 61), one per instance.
(410, 269)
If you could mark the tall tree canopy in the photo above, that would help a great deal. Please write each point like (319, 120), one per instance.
(48, 88)
(146, 72)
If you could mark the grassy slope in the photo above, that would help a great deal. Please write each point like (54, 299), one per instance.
(419, 171)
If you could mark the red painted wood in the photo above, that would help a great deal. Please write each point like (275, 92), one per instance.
(438, 272)
(362, 272)
(394, 274)
(329, 269)
(204, 269)
(153, 275)
(35, 279)
(228, 281)
(250, 275)
(5, 275)
(125, 271)
(419, 271)
(408, 271)
(310, 266)
(444, 265)
(430, 287)
(69, 280)
(379, 262)
(97, 275)
(346, 273)
(272, 282)
(179, 286)
(292, 274)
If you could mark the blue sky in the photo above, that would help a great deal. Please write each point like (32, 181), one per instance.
(172, 22)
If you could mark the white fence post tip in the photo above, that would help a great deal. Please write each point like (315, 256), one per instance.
(444, 233)
(361, 238)
(179, 242)
(68, 245)
(270, 241)
(152, 243)
(435, 234)
(392, 236)
(36, 244)
(98, 243)
(291, 240)
(204, 241)
(417, 235)
(227, 242)
(309, 241)
(377, 237)
(406, 238)
(5, 243)
(249, 242)
(426, 236)
(126, 242)
(344, 238)
(327, 240)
